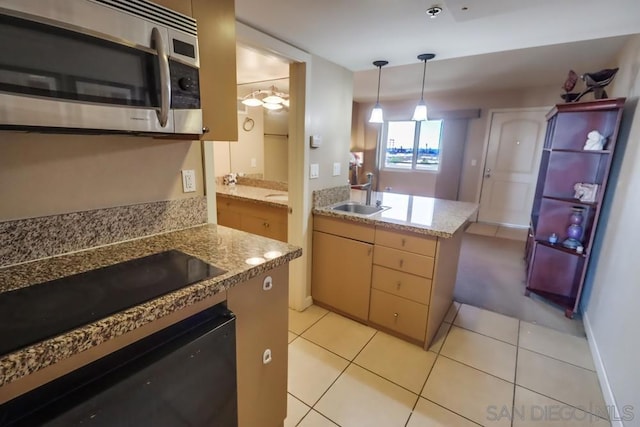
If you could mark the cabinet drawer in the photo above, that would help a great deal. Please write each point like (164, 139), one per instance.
(403, 261)
(398, 314)
(404, 285)
(422, 245)
(348, 229)
(264, 227)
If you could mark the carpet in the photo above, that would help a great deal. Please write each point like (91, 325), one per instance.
(491, 275)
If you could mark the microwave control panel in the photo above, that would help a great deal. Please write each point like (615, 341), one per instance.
(185, 86)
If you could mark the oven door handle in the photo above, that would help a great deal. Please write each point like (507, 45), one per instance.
(165, 80)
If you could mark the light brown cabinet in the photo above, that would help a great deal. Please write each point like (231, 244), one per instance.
(253, 217)
(341, 273)
(260, 306)
(404, 265)
(398, 281)
(217, 47)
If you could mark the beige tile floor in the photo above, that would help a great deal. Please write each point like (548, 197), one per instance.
(483, 368)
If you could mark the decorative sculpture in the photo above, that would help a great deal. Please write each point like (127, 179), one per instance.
(595, 82)
(585, 192)
(595, 141)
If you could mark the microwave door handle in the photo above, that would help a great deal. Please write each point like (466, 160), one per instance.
(165, 80)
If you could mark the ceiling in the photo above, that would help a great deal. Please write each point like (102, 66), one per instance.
(498, 44)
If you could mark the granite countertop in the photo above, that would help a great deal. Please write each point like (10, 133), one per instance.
(417, 214)
(276, 198)
(222, 247)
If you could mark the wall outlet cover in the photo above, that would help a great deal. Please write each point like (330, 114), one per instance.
(336, 169)
(188, 180)
(314, 171)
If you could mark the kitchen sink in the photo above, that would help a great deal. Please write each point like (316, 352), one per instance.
(359, 208)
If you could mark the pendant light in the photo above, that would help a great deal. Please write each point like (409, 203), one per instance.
(420, 113)
(376, 113)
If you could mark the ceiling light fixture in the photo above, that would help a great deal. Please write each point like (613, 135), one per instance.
(376, 113)
(420, 113)
(270, 99)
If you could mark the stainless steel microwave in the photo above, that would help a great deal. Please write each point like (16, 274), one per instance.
(98, 66)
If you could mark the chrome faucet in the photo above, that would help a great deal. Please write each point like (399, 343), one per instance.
(368, 186)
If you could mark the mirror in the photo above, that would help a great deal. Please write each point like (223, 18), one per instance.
(261, 151)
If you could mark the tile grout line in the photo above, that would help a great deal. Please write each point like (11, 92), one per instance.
(485, 335)
(305, 414)
(559, 360)
(564, 403)
(515, 374)
(473, 367)
(338, 377)
(452, 411)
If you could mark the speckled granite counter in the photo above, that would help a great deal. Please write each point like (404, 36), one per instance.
(221, 246)
(271, 197)
(422, 215)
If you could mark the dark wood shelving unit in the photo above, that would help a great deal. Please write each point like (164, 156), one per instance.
(554, 271)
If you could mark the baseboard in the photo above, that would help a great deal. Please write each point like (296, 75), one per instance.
(607, 392)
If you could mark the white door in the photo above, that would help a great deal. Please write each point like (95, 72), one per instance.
(515, 145)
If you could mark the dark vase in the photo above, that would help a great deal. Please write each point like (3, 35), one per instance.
(574, 232)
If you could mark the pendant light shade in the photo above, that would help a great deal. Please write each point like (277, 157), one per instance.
(376, 113)
(420, 113)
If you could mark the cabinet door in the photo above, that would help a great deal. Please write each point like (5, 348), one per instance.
(341, 274)
(217, 44)
(260, 305)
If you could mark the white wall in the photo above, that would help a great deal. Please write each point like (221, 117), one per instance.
(330, 102)
(235, 156)
(613, 286)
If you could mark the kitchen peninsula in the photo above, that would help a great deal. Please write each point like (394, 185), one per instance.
(394, 270)
(251, 263)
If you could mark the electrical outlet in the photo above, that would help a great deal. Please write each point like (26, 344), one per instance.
(253, 162)
(336, 169)
(188, 180)
(314, 171)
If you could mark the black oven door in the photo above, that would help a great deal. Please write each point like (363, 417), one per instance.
(184, 375)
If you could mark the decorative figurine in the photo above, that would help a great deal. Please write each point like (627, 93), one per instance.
(595, 82)
(230, 179)
(595, 141)
(553, 238)
(585, 192)
(575, 228)
(569, 84)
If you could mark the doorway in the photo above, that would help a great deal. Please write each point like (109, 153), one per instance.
(514, 147)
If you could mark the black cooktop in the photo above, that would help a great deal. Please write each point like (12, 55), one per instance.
(32, 314)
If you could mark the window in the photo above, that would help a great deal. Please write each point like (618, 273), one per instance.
(411, 145)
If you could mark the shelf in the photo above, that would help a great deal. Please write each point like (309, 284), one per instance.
(558, 246)
(566, 150)
(571, 200)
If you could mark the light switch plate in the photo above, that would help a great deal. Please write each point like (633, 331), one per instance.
(253, 162)
(188, 180)
(336, 169)
(314, 171)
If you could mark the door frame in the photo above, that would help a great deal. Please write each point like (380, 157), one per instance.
(299, 204)
(485, 148)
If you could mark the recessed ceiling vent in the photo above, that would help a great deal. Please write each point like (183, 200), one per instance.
(434, 11)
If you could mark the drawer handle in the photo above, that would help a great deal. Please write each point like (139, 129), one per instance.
(395, 315)
(267, 283)
(401, 263)
(398, 284)
(266, 357)
(265, 225)
(403, 242)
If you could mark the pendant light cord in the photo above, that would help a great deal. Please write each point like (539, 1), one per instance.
(378, 93)
(424, 72)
